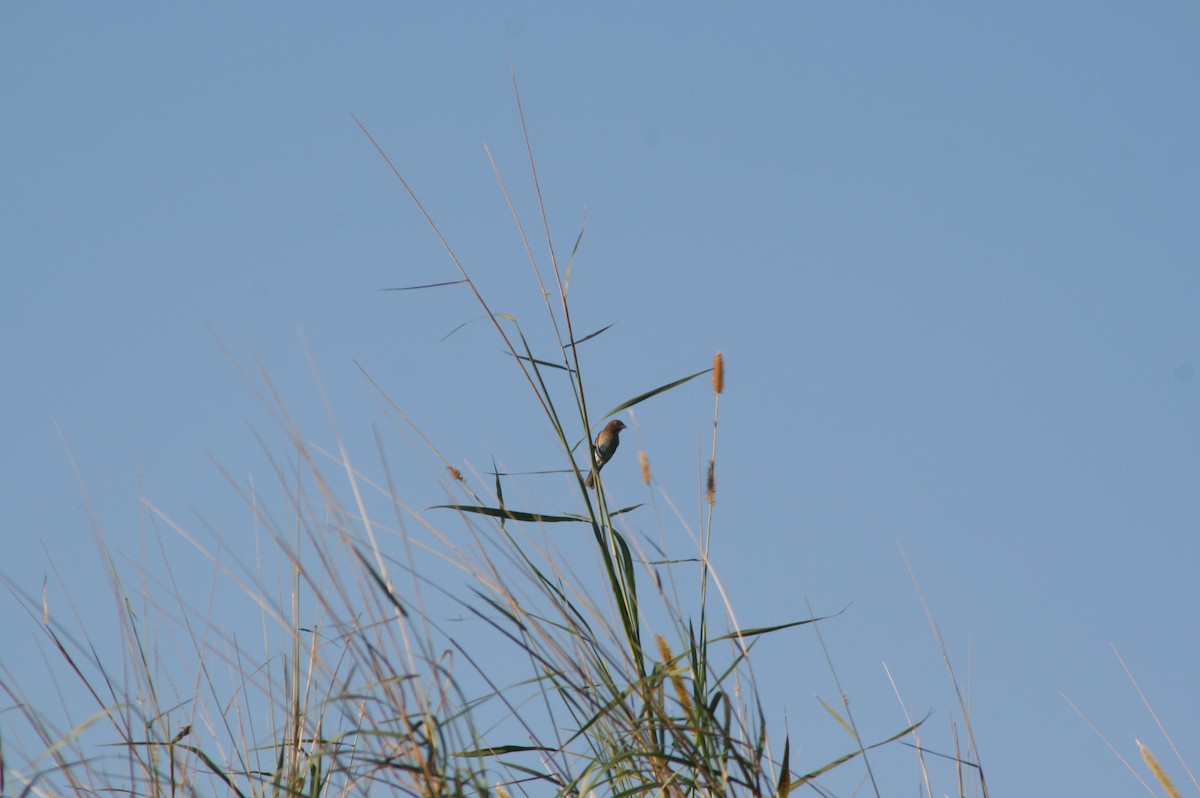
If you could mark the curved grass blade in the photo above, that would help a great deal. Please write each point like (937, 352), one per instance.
(213, 768)
(512, 515)
(571, 259)
(517, 515)
(762, 630)
(628, 509)
(419, 287)
(844, 759)
(834, 714)
(648, 394)
(591, 335)
(538, 362)
(381, 583)
(459, 327)
(498, 750)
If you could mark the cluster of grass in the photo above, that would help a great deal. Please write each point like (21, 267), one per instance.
(623, 675)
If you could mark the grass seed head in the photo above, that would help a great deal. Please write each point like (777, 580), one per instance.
(1157, 770)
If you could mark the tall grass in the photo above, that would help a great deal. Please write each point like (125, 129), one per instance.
(1150, 762)
(623, 675)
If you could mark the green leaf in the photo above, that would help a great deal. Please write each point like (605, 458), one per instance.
(381, 583)
(498, 750)
(517, 515)
(846, 758)
(591, 335)
(785, 773)
(648, 394)
(459, 327)
(836, 717)
(499, 493)
(571, 260)
(513, 515)
(762, 630)
(540, 362)
(419, 287)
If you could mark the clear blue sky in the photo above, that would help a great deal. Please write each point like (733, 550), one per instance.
(951, 253)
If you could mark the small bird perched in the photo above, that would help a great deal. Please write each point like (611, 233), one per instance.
(606, 446)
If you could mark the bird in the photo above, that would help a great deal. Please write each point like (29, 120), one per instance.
(606, 446)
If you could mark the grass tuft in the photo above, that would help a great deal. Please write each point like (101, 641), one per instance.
(447, 652)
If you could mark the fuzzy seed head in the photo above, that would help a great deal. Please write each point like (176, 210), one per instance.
(455, 473)
(718, 373)
(644, 462)
(664, 648)
(710, 485)
(1157, 770)
(664, 651)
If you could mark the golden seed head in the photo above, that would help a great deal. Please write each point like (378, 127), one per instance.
(710, 488)
(454, 472)
(501, 792)
(1157, 770)
(644, 462)
(718, 373)
(664, 651)
(664, 648)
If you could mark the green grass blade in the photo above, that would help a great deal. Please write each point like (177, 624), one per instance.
(655, 392)
(571, 260)
(539, 362)
(428, 285)
(785, 772)
(762, 630)
(592, 335)
(499, 750)
(513, 515)
(834, 714)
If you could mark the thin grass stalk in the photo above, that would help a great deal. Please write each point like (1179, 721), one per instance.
(1157, 721)
(453, 257)
(622, 578)
(618, 576)
(619, 571)
(964, 707)
(616, 560)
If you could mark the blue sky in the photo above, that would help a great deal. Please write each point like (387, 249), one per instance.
(950, 253)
